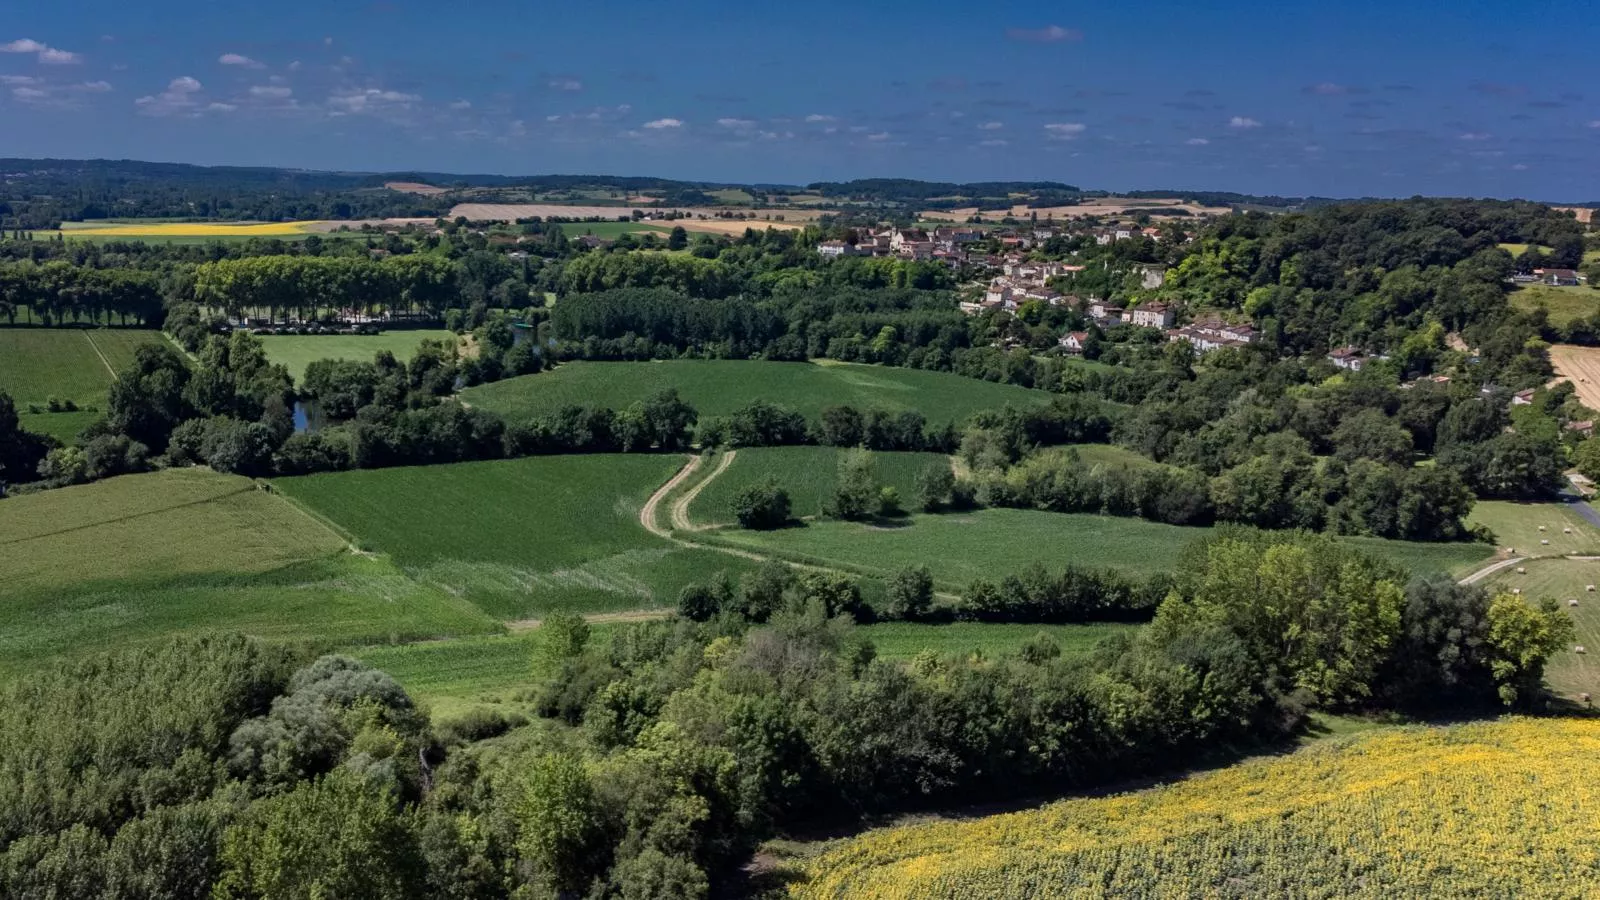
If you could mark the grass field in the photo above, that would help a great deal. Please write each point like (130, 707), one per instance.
(299, 351)
(989, 543)
(67, 363)
(1519, 249)
(904, 640)
(142, 557)
(1382, 814)
(719, 387)
(1517, 525)
(610, 231)
(520, 537)
(1570, 673)
(1564, 303)
(1581, 366)
(809, 474)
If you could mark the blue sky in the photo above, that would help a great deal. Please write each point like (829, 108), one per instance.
(1346, 98)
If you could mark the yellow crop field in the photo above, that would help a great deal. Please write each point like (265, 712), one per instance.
(1500, 809)
(187, 229)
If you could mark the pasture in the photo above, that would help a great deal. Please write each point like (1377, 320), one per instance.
(140, 558)
(1361, 816)
(720, 387)
(959, 548)
(68, 364)
(1517, 526)
(809, 474)
(298, 351)
(610, 231)
(1581, 366)
(1564, 303)
(522, 537)
(1564, 580)
(904, 640)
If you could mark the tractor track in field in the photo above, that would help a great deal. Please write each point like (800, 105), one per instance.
(680, 523)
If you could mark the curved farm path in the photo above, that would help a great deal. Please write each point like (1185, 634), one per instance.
(680, 507)
(1492, 568)
(647, 515)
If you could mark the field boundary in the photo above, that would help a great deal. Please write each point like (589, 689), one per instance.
(89, 336)
(332, 527)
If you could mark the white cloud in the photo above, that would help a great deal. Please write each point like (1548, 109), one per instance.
(660, 124)
(29, 94)
(992, 126)
(46, 54)
(1595, 124)
(177, 100)
(1519, 167)
(371, 100)
(271, 92)
(1243, 122)
(221, 107)
(1197, 142)
(1050, 34)
(1065, 131)
(461, 104)
(1474, 136)
(235, 59)
(736, 123)
(95, 87)
(18, 79)
(565, 84)
(878, 136)
(994, 142)
(294, 66)
(819, 117)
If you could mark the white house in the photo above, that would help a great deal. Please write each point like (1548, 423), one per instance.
(1073, 341)
(1348, 358)
(1154, 315)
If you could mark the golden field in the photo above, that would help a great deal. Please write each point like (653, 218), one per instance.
(187, 229)
(1499, 809)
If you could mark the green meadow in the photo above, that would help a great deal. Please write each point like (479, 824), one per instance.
(809, 474)
(74, 364)
(298, 351)
(720, 387)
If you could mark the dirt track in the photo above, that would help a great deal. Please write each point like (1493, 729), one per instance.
(647, 515)
(680, 507)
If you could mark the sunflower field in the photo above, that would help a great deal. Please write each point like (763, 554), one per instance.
(1503, 809)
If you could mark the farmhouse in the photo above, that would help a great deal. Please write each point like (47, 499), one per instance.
(1073, 341)
(1558, 277)
(836, 249)
(1348, 358)
(1522, 398)
(1154, 315)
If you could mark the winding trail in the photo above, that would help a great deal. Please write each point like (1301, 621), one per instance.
(680, 507)
(647, 515)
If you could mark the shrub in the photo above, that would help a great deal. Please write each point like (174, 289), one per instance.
(762, 506)
(910, 593)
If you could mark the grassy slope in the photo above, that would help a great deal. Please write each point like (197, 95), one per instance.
(1516, 525)
(520, 537)
(142, 557)
(39, 363)
(1364, 816)
(298, 351)
(1563, 580)
(959, 548)
(1564, 303)
(719, 387)
(809, 474)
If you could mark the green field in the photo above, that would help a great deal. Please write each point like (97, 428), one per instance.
(1564, 580)
(719, 387)
(610, 231)
(1517, 525)
(1519, 249)
(68, 364)
(904, 640)
(1564, 303)
(1104, 454)
(989, 543)
(139, 558)
(299, 351)
(520, 537)
(809, 474)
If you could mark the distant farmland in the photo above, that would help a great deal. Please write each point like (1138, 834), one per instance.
(720, 387)
(37, 364)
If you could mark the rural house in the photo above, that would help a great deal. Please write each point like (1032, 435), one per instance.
(1348, 358)
(1154, 315)
(1558, 277)
(835, 249)
(1073, 341)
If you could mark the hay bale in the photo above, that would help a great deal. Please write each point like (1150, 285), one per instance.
(1516, 590)
(1522, 570)
(1545, 543)
(1572, 602)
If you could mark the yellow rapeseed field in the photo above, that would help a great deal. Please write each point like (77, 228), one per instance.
(1502, 809)
(192, 229)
